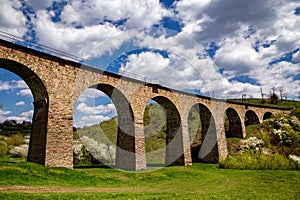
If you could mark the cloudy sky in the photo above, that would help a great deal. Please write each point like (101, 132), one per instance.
(220, 48)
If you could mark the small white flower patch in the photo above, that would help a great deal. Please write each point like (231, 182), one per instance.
(20, 151)
(295, 158)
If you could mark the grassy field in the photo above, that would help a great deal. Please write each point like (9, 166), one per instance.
(21, 180)
(200, 181)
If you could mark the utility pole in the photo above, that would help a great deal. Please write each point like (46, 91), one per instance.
(243, 98)
(262, 95)
(281, 90)
(272, 91)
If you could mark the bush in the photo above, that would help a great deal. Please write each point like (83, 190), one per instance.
(80, 155)
(274, 99)
(19, 151)
(255, 161)
(3, 148)
(15, 140)
(296, 112)
(296, 160)
(89, 151)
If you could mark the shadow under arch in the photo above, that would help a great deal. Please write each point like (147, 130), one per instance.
(251, 118)
(174, 140)
(125, 147)
(204, 146)
(235, 125)
(38, 136)
(267, 115)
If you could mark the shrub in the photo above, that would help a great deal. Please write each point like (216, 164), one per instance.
(15, 140)
(80, 154)
(251, 160)
(296, 160)
(3, 148)
(296, 112)
(89, 151)
(19, 151)
(274, 98)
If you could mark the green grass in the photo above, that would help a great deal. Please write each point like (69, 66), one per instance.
(200, 181)
(281, 104)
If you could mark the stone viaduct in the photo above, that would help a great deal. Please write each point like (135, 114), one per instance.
(56, 83)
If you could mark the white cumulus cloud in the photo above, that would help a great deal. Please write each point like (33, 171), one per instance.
(137, 14)
(12, 19)
(90, 93)
(4, 85)
(13, 84)
(3, 112)
(248, 36)
(20, 103)
(24, 92)
(89, 120)
(39, 5)
(24, 116)
(28, 114)
(101, 109)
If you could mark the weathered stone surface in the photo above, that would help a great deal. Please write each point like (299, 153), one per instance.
(57, 83)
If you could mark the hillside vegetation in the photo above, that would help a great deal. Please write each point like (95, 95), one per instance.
(155, 135)
(276, 139)
(273, 144)
(290, 104)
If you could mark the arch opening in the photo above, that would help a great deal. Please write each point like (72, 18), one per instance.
(268, 115)
(95, 129)
(37, 142)
(116, 135)
(251, 118)
(163, 124)
(233, 124)
(203, 138)
(155, 130)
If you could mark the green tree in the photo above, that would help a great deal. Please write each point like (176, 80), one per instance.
(274, 98)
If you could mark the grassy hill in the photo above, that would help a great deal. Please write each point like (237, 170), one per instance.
(273, 144)
(103, 132)
(154, 129)
(155, 134)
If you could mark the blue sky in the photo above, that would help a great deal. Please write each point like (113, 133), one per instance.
(15, 97)
(215, 48)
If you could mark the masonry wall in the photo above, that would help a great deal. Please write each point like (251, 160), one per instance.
(64, 81)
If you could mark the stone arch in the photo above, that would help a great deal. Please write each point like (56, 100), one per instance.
(267, 115)
(235, 125)
(125, 149)
(205, 150)
(37, 144)
(174, 142)
(251, 118)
